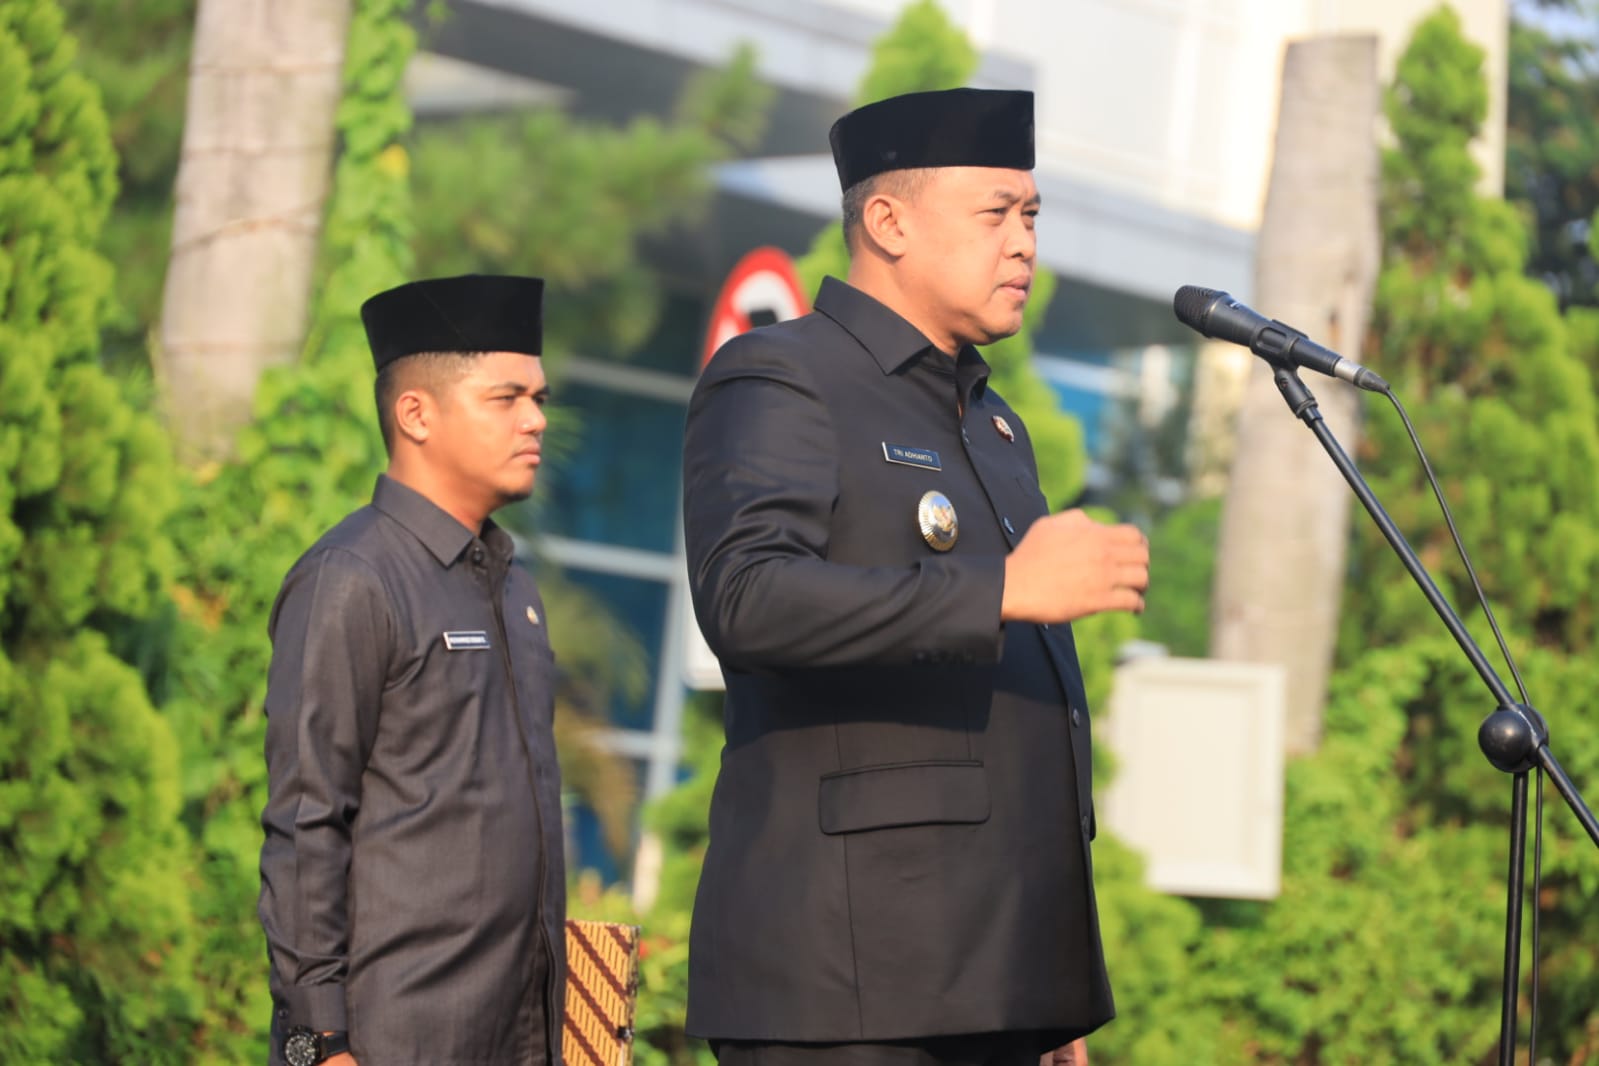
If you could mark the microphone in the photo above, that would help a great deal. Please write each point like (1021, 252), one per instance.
(1218, 316)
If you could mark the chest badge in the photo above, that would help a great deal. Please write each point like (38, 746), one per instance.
(1003, 427)
(936, 517)
(532, 615)
(925, 458)
(466, 640)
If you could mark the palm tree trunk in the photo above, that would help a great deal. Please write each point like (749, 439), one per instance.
(1285, 520)
(264, 85)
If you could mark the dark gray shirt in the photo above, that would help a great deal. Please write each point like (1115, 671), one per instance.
(412, 883)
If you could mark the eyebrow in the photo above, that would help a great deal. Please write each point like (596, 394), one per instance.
(519, 388)
(1007, 197)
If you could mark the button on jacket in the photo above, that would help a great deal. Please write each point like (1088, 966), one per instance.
(900, 830)
(412, 883)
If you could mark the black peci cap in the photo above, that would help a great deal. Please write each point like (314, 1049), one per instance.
(947, 128)
(470, 313)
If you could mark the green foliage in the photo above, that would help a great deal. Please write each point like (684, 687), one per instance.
(1395, 827)
(96, 948)
(310, 454)
(542, 193)
(1481, 354)
(923, 51)
(1182, 564)
(138, 54)
(1552, 147)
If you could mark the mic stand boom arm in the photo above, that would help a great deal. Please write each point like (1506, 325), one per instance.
(1514, 737)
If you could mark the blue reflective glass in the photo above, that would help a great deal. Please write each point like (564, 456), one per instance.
(641, 605)
(618, 482)
(1090, 407)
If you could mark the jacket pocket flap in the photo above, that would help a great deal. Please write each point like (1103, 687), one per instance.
(923, 793)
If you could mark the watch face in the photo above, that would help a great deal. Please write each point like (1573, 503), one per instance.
(301, 1048)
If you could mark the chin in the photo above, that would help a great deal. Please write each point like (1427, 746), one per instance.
(515, 493)
(997, 332)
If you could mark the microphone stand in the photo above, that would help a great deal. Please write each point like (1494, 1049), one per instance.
(1514, 737)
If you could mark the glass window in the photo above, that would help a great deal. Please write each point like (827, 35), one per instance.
(617, 483)
(641, 605)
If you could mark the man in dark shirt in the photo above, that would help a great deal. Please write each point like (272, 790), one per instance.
(899, 869)
(412, 883)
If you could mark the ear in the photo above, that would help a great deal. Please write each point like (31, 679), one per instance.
(415, 412)
(884, 223)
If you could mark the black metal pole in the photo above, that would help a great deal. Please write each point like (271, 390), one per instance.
(1303, 404)
(1509, 988)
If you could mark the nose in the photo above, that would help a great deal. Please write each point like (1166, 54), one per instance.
(1023, 242)
(535, 420)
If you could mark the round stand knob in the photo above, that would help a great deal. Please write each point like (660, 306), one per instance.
(1506, 738)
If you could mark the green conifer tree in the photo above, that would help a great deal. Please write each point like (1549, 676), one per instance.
(95, 942)
(1385, 943)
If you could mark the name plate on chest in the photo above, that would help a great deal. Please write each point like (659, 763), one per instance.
(466, 640)
(925, 458)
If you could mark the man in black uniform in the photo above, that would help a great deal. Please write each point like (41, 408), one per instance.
(412, 883)
(899, 866)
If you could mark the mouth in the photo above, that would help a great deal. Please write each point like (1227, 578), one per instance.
(531, 456)
(1020, 286)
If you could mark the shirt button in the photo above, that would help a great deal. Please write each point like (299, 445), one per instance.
(964, 438)
(1008, 527)
(1077, 717)
(477, 555)
(1044, 626)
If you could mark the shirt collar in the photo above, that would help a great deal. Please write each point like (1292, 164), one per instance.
(893, 341)
(439, 531)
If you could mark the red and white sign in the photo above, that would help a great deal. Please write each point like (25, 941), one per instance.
(762, 288)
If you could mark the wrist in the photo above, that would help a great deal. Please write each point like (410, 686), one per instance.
(308, 1047)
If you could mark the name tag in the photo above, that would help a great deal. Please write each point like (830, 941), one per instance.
(922, 457)
(466, 640)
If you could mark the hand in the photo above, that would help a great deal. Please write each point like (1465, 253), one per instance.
(1069, 566)
(343, 1058)
(1073, 1054)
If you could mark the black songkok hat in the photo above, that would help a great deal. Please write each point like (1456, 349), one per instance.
(950, 128)
(470, 313)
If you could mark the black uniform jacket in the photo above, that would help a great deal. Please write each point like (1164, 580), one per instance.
(412, 883)
(900, 832)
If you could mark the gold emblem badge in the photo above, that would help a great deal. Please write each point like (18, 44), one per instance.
(532, 615)
(1004, 428)
(936, 517)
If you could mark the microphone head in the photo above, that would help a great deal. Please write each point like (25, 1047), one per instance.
(1193, 306)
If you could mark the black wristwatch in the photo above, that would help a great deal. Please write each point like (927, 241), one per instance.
(307, 1047)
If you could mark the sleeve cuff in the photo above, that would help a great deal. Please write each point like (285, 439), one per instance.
(319, 1007)
(972, 631)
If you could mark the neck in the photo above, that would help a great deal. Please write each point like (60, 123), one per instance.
(877, 279)
(421, 479)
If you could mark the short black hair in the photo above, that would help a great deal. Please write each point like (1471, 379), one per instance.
(904, 184)
(432, 371)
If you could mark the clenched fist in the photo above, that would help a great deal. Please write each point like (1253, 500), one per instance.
(1069, 566)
